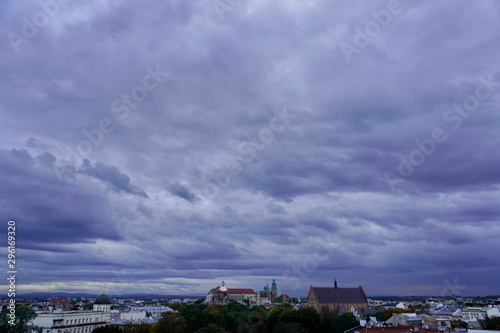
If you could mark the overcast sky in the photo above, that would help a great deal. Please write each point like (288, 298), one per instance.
(165, 146)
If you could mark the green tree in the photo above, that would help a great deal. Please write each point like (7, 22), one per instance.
(309, 318)
(491, 323)
(260, 308)
(107, 329)
(237, 317)
(305, 320)
(170, 323)
(257, 322)
(236, 307)
(273, 315)
(141, 328)
(192, 313)
(343, 322)
(284, 328)
(210, 328)
(22, 322)
(380, 316)
(212, 314)
(178, 306)
(327, 318)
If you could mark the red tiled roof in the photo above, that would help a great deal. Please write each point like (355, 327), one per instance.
(402, 329)
(240, 291)
(58, 300)
(237, 291)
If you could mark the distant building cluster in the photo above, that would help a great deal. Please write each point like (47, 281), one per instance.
(440, 315)
(57, 320)
(221, 295)
(62, 315)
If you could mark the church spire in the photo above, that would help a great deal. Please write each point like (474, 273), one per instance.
(335, 283)
(273, 285)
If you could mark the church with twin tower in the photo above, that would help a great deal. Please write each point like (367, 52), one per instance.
(221, 294)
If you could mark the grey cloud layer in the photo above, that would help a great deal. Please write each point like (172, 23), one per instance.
(203, 180)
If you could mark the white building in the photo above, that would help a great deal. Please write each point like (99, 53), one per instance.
(154, 310)
(59, 321)
(132, 317)
(102, 303)
(479, 313)
(71, 321)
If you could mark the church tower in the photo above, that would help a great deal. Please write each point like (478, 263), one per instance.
(274, 290)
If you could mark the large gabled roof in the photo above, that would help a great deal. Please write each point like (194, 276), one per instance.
(237, 291)
(233, 291)
(327, 295)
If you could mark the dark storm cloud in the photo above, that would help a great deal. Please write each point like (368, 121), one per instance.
(203, 177)
(53, 212)
(111, 175)
(183, 192)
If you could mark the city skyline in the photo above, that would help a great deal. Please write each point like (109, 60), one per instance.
(165, 146)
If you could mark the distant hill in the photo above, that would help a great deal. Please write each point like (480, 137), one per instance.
(45, 295)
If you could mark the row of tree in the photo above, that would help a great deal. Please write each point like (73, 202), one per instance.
(239, 318)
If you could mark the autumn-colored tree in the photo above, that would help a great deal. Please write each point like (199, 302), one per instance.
(389, 312)
(459, 324)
